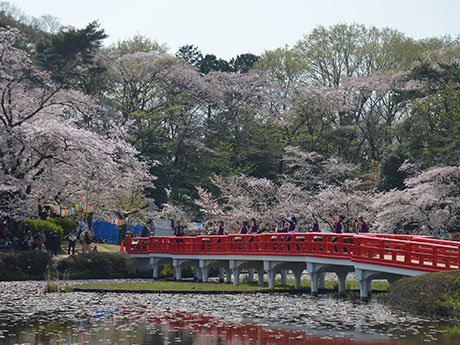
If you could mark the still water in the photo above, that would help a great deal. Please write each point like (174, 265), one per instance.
(29, 316)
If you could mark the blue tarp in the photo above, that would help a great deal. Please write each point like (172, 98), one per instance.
(110, 232)
(137, 230)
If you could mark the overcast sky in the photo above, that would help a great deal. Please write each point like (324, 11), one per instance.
(227, 28)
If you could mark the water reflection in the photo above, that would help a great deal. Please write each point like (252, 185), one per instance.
(29, 316)
(123, 326)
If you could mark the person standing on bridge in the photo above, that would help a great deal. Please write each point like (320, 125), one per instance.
(338, 223)
(254, 227)
(282, 225)
(221, 230)
(179, 231)
(314, 224)
(244, 228)
(292, 224)
(338, 227)
(360, 225)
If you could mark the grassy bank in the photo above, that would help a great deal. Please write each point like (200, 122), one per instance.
(193, 286)
(432, 293)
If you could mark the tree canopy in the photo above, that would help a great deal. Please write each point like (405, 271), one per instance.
(328, 125)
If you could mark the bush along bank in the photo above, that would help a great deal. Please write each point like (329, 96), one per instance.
(37, 265)
(96, 265)
(431, 293)
(24, 265)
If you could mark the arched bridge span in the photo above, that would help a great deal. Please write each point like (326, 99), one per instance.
(370, 256)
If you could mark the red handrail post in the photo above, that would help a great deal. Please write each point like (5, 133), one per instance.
(434, 253)
(408, 253)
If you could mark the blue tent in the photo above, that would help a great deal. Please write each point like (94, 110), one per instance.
(109, 232)
(137, 230)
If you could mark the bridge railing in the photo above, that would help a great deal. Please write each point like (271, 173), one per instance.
(419, 253)
(403, 251)
(301, 244)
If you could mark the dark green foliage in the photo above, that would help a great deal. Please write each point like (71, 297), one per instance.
(432, 293)
(190, 54)
(431, 133)
(97, 265)
(211, 63)
(389, 175)
(66, 224)
(435, 79)
(70, 56)
(247, 147)
(243, 63)
(23, 265)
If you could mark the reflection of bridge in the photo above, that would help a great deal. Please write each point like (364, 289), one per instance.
(210, 330)
(370, 256)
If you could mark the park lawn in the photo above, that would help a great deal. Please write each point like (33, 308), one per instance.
(106, 248)
(334, 285)
(171, 286)
(193, 286)
(101, 247)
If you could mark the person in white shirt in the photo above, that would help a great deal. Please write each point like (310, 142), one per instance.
(72, 240)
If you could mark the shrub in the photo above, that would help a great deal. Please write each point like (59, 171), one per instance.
(23, 265)
(97, 266)
(66, 224)
(431, 293)
(46, 225)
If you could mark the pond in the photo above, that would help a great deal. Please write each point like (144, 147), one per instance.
(29, 316)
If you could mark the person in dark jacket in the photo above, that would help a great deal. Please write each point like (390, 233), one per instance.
(314, 224)
(244, 228)
(360, 225)
(282, 225)
(179, 231)
(54, 241)
(338, 223)
(292, 224)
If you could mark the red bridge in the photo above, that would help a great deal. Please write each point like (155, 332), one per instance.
(370, 256)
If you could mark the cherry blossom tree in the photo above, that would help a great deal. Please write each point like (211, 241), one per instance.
(312, 184)
(164, 101)
(348, 199)
(428, 205)
(46, 156)
(243, 197)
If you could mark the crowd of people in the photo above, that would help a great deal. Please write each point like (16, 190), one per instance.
(38, 240)
(282, 225)
(85, 235)
(29, 240)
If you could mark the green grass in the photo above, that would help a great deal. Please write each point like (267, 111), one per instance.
(170, 286)
(192, 286)
(334, 285)
(101, 247)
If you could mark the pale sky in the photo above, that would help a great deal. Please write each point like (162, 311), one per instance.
(227, 28)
